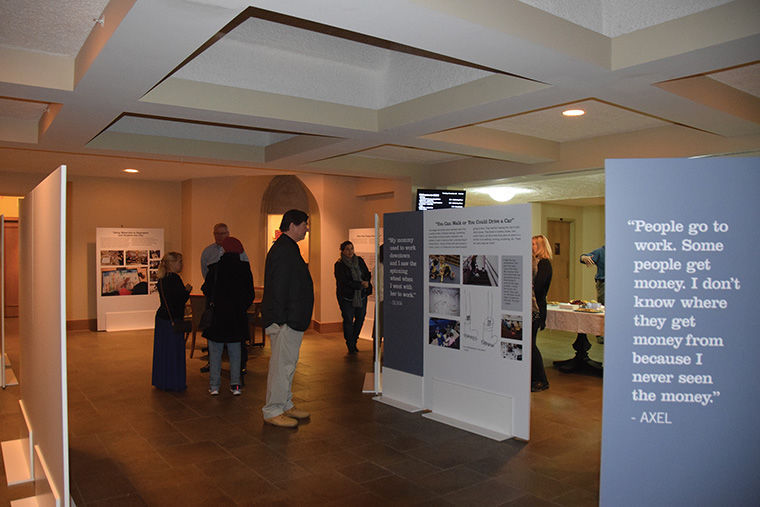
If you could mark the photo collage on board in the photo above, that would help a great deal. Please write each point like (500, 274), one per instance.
(128, 272)
(464, 306)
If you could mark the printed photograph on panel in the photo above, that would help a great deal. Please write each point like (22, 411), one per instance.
(153, 287)
(444, 333)
(112, 257)
(154, 264)
(443, 300)
(153, 275)
(444, 268)
(123, 281)
(511, 351)
(137, 257)
(511, 327)
(480, 270)
(155, 255)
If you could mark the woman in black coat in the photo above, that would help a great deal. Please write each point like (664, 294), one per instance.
(169, 343)
(542, 279)
(229, 288)
(352, 288)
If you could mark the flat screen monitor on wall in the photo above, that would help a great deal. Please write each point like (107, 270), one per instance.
(439, 199)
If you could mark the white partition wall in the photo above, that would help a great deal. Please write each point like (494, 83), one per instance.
(42, 332)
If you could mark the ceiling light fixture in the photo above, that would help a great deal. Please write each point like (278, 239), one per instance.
(131, 171)
(573, 112)
(502, 194)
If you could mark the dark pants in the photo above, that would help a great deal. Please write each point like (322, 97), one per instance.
(537, 372)
(353, 319)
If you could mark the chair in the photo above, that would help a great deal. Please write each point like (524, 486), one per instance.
(254, 320)
(197, 304)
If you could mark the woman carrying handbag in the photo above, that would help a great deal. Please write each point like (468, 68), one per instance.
(168, 335)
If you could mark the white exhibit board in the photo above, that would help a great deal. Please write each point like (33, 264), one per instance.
(42, 329)
(477, 314)
(364, 246)
(126, 264)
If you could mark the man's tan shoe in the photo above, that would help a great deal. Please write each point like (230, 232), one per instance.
(282, 421)
(297, 414)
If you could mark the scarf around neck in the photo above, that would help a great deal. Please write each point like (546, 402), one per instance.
(356, 275)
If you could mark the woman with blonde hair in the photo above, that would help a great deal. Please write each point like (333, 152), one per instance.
(542, 279)
(168, 338)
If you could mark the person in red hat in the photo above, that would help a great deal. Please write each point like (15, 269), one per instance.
(229, 289)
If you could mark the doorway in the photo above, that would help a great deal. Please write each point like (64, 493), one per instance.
(558, 232)
(11, 267)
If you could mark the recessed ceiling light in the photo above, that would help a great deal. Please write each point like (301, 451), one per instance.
(129, 170)
(573, 112)
(502, 194)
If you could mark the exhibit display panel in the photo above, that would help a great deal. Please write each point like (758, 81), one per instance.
(404, 281)
(680, 375)
(126, 274)
(477, 306)
(42, 335)
(457, 299)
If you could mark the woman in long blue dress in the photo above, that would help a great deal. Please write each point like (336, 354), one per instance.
(169, 344)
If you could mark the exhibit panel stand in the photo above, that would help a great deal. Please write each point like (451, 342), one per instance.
(43, 457)
(7, 377)
(477, 307)
(126, 274)
(366, 245)
(485, 413)
(680, 377)
(401, 390)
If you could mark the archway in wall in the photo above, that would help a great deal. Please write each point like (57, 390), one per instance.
(282, 194)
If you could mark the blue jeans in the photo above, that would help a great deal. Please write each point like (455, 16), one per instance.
(215, 350)
(353, 320)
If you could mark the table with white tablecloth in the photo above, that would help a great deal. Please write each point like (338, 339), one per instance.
(567, 318)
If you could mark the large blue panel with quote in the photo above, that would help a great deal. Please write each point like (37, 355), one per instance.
(404, 270)
(681, 375)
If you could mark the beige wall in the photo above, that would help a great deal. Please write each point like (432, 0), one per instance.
(587, 233)
(105, 202)
(340, 203)
(188, 210)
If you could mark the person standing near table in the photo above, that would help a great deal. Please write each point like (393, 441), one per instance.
(596, 258)
(169, 343)
(286, 309)
(229, 285)
(542, 279)
(352, 289)
(214, 251)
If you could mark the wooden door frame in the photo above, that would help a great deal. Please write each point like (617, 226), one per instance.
(572, 268)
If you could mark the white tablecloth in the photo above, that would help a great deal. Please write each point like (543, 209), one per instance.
(575, 322)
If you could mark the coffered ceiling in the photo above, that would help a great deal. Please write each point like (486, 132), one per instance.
(447, 93)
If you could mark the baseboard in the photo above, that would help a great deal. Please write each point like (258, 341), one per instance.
(327, 327)
(82, 324)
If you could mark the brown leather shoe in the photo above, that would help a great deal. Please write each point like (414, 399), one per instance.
(297, 414)
(282, 421)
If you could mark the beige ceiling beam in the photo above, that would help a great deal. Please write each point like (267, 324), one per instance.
(491, 143)
(31, 68)
(483, 91)
(296, 146)
(719, 25)
(530, 24)
(184, 148)
(714, 94)
(227, 99)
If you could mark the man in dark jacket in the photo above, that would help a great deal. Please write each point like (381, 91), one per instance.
(286, 310)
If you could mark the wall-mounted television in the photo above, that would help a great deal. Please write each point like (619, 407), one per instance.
(439, 199)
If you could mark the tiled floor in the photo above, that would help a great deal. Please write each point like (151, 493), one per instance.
(133, 445)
